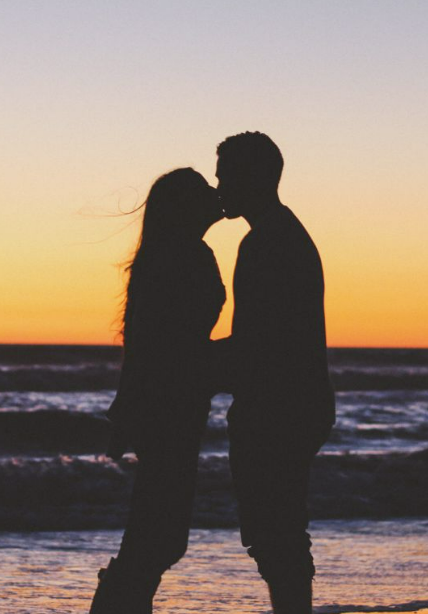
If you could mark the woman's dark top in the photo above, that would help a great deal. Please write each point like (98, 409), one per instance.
(176, 299)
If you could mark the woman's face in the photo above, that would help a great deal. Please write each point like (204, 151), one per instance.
(206, 208)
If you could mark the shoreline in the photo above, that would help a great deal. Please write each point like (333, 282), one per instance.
(362, 568)
(423, 611)
(416, 607)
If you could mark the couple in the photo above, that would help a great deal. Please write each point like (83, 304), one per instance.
(274, 364)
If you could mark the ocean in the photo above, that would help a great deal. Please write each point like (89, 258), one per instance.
(64, 504)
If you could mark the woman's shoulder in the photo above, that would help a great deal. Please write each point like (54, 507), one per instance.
(193, 254)
(178, 263)
(180, 248)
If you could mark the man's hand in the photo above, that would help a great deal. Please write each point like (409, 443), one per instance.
(118, 444)
(220, 376)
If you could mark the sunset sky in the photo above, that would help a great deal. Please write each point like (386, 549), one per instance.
(99, 97)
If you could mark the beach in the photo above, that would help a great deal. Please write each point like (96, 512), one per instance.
(64, 504)
(362, 566)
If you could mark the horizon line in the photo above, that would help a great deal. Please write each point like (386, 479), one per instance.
(113, 345)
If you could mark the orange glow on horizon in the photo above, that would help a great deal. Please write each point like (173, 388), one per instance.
(73, 295)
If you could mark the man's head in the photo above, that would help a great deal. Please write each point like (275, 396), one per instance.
(249, 168)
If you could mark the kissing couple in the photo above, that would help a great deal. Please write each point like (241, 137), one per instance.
(274, 364)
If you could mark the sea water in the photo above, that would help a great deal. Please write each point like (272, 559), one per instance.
(361, 566)
(368, 499)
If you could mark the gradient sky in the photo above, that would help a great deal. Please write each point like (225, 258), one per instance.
(100, 97)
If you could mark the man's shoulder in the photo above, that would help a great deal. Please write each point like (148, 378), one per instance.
(280, 243)
(293, 238)
(287, 223)
(280, 229)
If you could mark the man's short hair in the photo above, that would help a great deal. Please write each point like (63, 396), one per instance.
(255, 153)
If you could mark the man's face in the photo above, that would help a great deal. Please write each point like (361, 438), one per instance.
(232, 189)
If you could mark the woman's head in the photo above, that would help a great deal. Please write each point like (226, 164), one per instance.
(180, 203)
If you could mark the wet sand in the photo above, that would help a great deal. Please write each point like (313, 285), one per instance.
(375, 566)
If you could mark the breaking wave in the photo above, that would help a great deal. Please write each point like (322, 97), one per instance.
(65, 493)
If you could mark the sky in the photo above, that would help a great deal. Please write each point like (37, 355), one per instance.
(100, 97)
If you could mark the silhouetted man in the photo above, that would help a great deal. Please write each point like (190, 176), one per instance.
(283, 405)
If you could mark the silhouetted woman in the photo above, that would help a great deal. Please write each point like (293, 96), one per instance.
(174, 297)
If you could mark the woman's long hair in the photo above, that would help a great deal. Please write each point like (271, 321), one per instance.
(167, 208)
